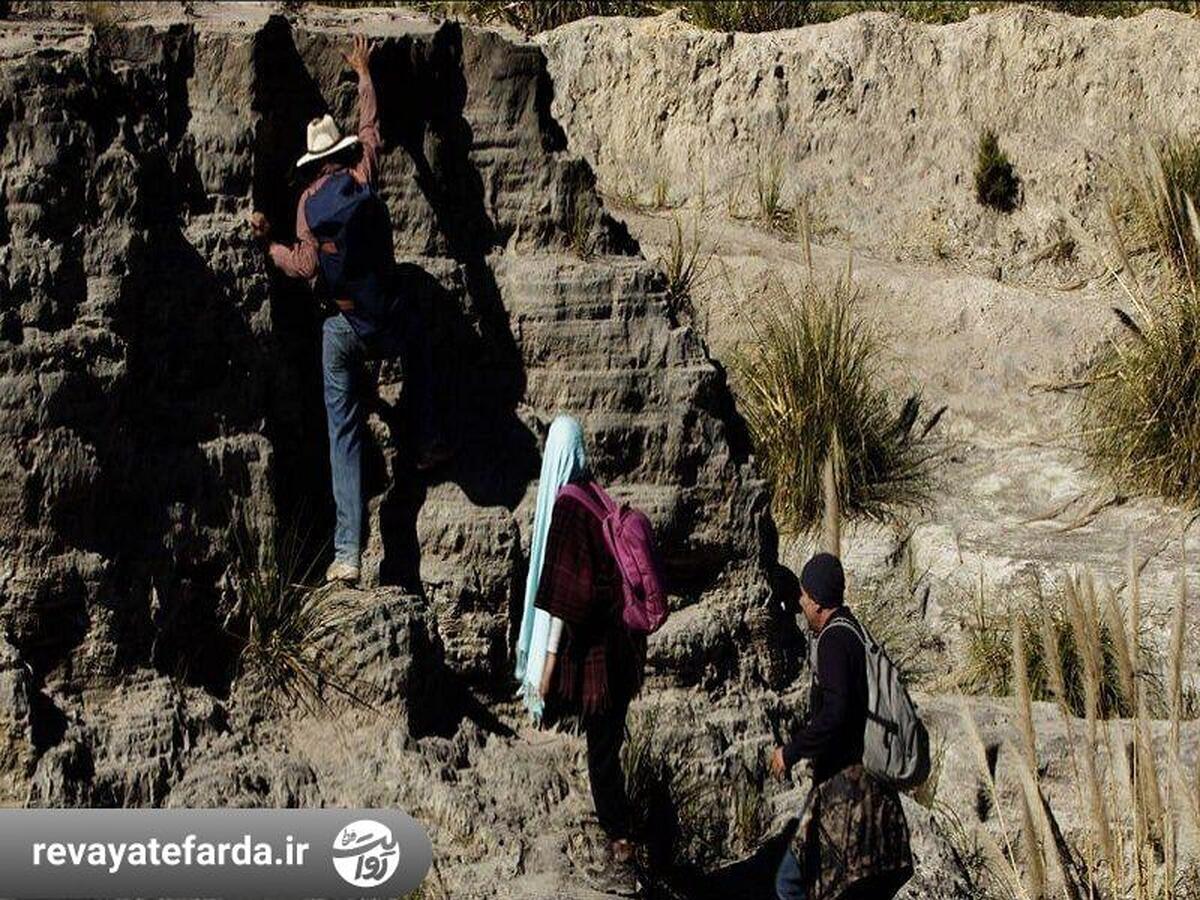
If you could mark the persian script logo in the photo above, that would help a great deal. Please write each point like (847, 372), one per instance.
(365, 854)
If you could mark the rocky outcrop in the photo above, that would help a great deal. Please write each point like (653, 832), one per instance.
(160, 414)
(874, 118)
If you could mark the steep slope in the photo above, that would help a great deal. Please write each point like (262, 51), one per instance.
(161, 416)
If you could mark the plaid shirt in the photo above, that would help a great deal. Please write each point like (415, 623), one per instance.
(599, 661)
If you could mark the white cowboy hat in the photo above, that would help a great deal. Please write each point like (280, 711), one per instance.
(324, 140)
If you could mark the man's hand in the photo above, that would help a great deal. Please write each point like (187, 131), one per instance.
(359, 56)
(259, 226)
(778, 766)
(548, 675)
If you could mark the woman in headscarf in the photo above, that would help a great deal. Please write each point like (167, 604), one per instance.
(574, 645)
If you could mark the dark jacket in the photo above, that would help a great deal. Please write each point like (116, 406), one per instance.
(833, 736)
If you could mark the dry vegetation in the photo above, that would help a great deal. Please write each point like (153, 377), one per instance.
(1139, 409)
(765, 15)
(290, 628)
(1139, 839)
(685, 820)
(809, 387)
(685, 264)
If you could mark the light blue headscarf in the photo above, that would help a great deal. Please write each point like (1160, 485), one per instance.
(565, 460)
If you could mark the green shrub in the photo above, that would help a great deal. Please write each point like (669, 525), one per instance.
(996, 184)
(809, 387)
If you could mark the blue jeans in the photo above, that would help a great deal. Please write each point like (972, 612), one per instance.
(343, 355)
(789, 879)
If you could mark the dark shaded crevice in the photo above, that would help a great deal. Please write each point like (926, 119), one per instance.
(286, 97)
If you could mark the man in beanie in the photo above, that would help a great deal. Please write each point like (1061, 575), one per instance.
(846, 806)
(833, 736)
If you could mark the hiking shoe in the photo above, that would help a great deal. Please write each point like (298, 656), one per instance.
(341, 573)
(617, 878)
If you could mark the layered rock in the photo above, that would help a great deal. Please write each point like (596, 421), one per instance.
(161, 419)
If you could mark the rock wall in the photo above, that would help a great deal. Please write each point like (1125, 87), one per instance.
(875, 118)
(160, 411)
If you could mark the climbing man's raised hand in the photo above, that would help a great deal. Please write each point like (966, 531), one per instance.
(359, 55)
(260, 228)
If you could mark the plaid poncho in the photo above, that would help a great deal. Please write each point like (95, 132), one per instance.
(599, 661)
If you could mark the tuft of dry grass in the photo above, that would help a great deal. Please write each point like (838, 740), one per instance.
(579, 231)
(1155, 195)
(773, 211)
(532, 16)
(1056, 664)
(810, 389)
(660, 194)
(685, 264)
(1139, 402)
(289, 628)
(676, 811)
(1133, 847)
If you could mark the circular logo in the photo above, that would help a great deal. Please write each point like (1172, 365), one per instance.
(365, 854)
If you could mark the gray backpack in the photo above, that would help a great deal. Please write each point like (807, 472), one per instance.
(895, 743)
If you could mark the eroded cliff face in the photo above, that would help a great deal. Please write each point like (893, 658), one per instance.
(874, 119)
(160, 411)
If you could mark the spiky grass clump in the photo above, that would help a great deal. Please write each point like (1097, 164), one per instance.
(773, 211)
(533, 16)
(1153, 210)
(750, 15)
(685, 263)
(1141, 403)
(674, 809)
(996, 183)
(809, 387)
(290, 629)
(1141, 408)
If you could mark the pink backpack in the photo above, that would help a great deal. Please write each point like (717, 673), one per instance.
(630, 539)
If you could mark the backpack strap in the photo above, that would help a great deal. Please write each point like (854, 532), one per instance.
(860, 632)
(845, 623)
(584, 496)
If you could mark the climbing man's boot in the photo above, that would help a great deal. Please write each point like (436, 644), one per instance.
(341, 573)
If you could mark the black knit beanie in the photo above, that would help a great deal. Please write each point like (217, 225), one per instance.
(823, 579)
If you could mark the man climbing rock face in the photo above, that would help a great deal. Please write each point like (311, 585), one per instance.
(343, 249)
